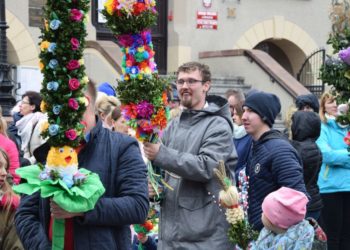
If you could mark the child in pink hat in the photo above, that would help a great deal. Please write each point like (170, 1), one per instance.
(284, 224)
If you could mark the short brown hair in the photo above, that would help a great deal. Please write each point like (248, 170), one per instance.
(193, 66)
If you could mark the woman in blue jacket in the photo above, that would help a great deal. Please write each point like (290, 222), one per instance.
(334, 178)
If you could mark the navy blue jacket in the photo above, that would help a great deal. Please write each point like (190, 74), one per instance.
(116, 158)
(274, 164)
(243, 147)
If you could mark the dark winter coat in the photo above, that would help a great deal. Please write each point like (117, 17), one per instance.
(116, 158)
(306, 128)
(274, 164)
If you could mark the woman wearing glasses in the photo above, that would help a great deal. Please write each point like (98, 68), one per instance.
(29, 126)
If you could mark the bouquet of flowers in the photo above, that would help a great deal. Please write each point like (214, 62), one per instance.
(240, 232)
(61, 62)
(142, 92)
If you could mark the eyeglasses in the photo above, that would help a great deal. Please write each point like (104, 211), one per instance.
(23, 102)
(189, 82)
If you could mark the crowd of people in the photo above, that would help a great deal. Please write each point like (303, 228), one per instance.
(289, 181)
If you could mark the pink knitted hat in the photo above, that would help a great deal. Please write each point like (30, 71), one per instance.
(285, 207)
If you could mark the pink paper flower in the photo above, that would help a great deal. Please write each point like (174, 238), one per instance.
(144, 109)
(75, 43)
(73, 103)
(76, 15)
(71, 134)
(73, 64)
(74, 84)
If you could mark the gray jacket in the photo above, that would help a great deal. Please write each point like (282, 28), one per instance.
(193, 143)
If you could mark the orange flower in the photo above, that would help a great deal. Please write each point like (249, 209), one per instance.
(160, 119)
(130, 111)
(165, 98)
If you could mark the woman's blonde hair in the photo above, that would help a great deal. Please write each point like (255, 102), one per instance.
(105, 104)
(6, 188)
(324, 98)
(288, 120)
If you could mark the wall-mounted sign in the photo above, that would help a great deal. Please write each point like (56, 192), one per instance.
(206, 3)
(207, 20)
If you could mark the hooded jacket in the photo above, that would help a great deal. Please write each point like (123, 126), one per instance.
(335, 170)
(193, 144)
(306, 128)
(274, 163)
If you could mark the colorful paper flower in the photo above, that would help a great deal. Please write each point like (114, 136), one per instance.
(52, 86)
(75, 43)
(76, 15)
(53, 63)
(71, 134)
(73, 84)
(144, 110)
(44, 45)
(56, 109)
(73, 103)
(73, 64)
(55, 24)
(344, 55)
(52, 47)
(53, 129)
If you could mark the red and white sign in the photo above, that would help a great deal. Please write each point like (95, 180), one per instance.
(207, 20)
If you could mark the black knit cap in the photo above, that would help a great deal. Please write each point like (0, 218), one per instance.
(266, 105)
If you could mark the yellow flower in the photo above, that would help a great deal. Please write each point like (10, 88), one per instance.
(141, 49)
(110, 6)
(84, 80)
(41, 65)
(44, 45)
(83, 100)
(81, 61)
(45, 126)
(43, 106)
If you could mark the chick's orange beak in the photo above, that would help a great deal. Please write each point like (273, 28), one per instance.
(68, 159)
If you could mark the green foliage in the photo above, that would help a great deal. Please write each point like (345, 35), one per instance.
(130, 24)
(334, 71)
(241, 233)
(147, 89)
(67, 118)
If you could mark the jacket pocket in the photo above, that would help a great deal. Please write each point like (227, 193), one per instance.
(196, 218)
(326, 172)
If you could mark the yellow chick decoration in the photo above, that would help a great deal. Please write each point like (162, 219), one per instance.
(64, 160)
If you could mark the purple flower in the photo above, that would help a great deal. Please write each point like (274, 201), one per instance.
(344, 55)
(144, 109)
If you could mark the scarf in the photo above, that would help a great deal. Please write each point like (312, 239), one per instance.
(26, 126)
(299, 236)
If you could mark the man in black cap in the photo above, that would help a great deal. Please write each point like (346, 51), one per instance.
(273, 163)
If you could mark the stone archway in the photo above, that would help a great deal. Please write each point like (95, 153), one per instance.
(22, 49)
(292, 39)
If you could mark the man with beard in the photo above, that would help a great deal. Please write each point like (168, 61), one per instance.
(191, 148)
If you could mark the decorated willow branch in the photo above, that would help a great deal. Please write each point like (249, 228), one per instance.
(61, 62)
(140, 89)
(240, 232)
